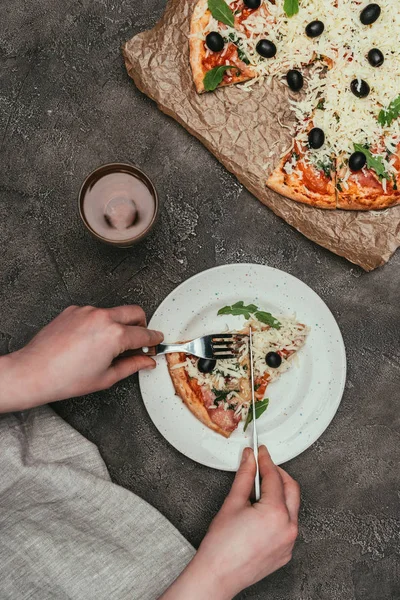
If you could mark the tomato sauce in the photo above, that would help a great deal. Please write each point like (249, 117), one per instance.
(227, 56)
(262, 383)
(313, 179)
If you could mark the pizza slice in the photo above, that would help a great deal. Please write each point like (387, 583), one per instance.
(218, 393)
(306, 173)
(369, 179)
(218, 55)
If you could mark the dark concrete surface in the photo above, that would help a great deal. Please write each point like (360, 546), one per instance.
(66, 106)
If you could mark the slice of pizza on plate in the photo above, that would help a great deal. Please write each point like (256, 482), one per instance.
(218, 393)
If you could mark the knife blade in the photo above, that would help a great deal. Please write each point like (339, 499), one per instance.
(257, 491)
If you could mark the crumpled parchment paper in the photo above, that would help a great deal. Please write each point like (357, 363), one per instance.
(241, 129)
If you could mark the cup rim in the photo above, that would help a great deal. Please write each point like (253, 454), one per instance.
(110, 168)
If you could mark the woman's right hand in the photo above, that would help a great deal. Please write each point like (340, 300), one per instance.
(245, 542)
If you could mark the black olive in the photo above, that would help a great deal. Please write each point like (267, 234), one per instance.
(295, 80)
(215, 41)
(316, 138)
(252, 3)
(370, 14)
(314, 29)
(375, 57)
(360, 88)
(206, 365)
(273, 360)
(357, 161)
(266, 48)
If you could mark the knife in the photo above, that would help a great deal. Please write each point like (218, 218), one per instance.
(257, 491)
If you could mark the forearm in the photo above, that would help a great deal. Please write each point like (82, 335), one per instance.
(18, 388)
(199, 581)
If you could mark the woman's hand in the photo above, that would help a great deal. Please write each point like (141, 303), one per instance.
(74, 355)
(245, 542)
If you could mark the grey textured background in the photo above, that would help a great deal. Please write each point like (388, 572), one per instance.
(66, 106)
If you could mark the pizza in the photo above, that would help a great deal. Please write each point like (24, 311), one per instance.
(305, 175)
(341, 61)
(218, 393)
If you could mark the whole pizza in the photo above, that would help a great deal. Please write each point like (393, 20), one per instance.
(341, 61)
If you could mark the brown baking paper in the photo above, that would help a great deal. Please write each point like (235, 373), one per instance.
(241, 129)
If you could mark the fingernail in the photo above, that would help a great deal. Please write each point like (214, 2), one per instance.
(246, 454)
(150, 367)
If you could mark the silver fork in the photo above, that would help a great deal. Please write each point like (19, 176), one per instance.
(215, 346)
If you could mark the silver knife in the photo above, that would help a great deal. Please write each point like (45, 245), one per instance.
(257, 491)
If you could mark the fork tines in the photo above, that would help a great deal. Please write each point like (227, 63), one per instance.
(226, 345)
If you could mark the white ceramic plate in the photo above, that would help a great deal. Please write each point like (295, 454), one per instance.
(302, 402)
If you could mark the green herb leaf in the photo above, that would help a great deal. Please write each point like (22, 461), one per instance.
(221, 396)
(222, 12)
(267, 318)
(213, 78)
(321, 104)
(390, 114)
(373, 162)
(239, 308)
(260, 408)
(291, 7)
(232, 37)
(326, 167)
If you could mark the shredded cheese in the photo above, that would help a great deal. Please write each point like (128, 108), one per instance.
(229, 381)
(334, 60)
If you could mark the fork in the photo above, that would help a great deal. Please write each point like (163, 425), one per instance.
(215, 346)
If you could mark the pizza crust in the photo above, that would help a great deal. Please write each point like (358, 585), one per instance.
(292, 187)
(200, 19)
(184, 391)
(367, 201)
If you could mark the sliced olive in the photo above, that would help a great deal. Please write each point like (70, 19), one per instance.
(266, 48)
(375, 57)
(215, 41)
(357, 161)
(206, 365)
(360, 88)
(252, 3)
(314, 29)
(273, 360)
(295, 80)
(370, 14)
(316, 138)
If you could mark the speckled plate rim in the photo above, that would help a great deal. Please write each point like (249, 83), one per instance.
(303, 401)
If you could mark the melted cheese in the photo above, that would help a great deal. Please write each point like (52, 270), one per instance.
(290, 337)
(233, 376)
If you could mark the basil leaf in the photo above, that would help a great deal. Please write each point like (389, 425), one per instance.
(239, 308)
(291, 7)
(222, 12)
(213, 78)
(390, 114)
(373, 162)
(260, 408)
